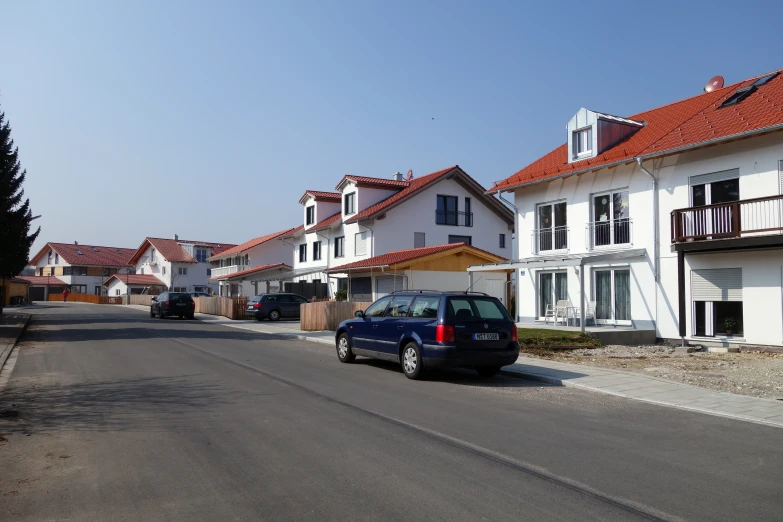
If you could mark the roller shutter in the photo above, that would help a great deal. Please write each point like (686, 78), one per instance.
(717, 284)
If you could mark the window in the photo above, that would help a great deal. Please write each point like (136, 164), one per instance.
(461, 239)
(418, 240)
(76, 270)
(40, 271)
(502, 240)
(350, 203)
(468, 213)
(152, 253)
(117, 291)
(552, 230)
(209, 271)
(141, 271)
(49, 258)
(714, 189)
(360, 246)
(163, 270)
(465, 309)
(339, 246)
(399, 306)
(446, 213)
(612, 294)
(377, 308)
(583, 142)
(552, 287)
(612, 224)
(180, 289)
(78, 289)
(317, 251)
(717, 301)
(130, 271)
(310, 212)
(303, 253)
(67, 270)
(98, 290)
(425, 307)
(183, 270)
(201, 255)
(56, 258)
(107, 271)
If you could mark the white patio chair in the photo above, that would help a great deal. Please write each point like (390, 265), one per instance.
(561, 312)
(549, 313)
(590, 312)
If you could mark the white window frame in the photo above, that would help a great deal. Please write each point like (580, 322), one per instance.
(538, 229)
(183, 270)
(594, 287)
(611, 220)
(553, 273)
(587, 133)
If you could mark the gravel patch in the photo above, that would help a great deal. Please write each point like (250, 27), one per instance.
(748, 373)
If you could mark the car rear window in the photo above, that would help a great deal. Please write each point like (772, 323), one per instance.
(256, 299)
(465, 309)
(179, 298)
(425, 307)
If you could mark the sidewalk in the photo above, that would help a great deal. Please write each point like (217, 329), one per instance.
(613, 382)
(12, 325)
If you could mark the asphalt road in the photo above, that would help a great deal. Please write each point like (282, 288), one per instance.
(123, 417)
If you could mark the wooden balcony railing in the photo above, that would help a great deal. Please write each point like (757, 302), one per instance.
(728, 220)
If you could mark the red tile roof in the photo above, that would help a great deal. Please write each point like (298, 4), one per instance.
(402, 256)
(411, 187)
(19, 280)
(87, 255)
(690, 122)
(322, 196)
(247, 245)
(292, 232)
(172, 252)
(373, 182)
(243, 273)
(325, 223)
(42, 280)
(136, 279)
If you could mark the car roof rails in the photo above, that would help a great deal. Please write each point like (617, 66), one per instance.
(417, 291)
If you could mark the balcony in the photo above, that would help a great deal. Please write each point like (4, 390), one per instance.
(455, 219)
(228, 270)
(550, 240)
(147, 260)
(604, 234)
(734, 219)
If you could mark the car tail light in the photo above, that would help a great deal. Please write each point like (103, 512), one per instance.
(165, 303)
(444, 333)
(257, 305)
(514, 334)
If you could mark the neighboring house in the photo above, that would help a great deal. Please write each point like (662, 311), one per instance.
(127, 284)
(368, 217)
(41, 287)
(441, 267)
(180, 264)
(83, 268)
(235, 270)
(669, 220)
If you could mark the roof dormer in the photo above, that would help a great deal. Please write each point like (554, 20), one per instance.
(592, 133)
(318, 205)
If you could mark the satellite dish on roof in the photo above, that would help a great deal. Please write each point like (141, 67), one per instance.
(409, 175)
(716, 82)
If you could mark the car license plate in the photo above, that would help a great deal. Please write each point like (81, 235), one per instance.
(486, 337)
(181, 304)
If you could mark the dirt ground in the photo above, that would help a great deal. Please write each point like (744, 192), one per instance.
(748, 373)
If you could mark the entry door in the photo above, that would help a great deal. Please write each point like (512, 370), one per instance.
(552, 287)
(612, 293)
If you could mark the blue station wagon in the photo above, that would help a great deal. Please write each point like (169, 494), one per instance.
(421, 329)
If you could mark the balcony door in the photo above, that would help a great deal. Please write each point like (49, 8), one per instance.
(717, 220)
(552, 233)
(552, 287)
(612, 294)
(611, 219)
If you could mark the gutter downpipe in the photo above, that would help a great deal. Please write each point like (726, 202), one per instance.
(656, 237)
(328, 249)
(516, 253)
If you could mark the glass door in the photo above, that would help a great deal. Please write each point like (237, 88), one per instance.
(718, 221)
(552, 287)
(611, 219)
(612, 292)
(552, 227)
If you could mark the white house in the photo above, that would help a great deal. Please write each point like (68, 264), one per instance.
(669, 221)
(367, 217)
(82, 268)
(181, 265)
(126, 284)
(236, 269)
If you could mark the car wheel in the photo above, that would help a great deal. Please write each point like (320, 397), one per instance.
(344, 352)
(274, 315)
(488, 371)
(160, 314)
(411, 361)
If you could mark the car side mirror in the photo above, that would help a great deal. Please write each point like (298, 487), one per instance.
(155, 299)
(359, 313)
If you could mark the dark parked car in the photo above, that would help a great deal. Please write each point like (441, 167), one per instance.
(173, 303)
(425, 329)
(275, 306)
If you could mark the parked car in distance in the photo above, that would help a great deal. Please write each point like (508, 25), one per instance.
(275, 306)
(199, 294)
(173, 303)
(421, 329)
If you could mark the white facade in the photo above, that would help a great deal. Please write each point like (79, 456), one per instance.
(186, 277)
(397, 228)
(86, 284)
(268, 253)
(654, 305)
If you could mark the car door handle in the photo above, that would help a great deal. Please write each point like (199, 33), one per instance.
(400, 327)
(375, 326)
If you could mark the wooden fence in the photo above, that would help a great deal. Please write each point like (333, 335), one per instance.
(231, 307)
(139, 299)
(326, 315)
(77, 298)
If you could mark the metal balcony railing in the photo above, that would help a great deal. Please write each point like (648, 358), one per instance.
(456, 219)
(228, 270)
(617, 232)
(554, 239)
(728, 220)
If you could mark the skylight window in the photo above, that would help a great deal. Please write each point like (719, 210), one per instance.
(764, 79)
(94, 249)
(738, 96)
(79, 252)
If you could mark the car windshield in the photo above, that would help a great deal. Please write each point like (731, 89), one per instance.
(468, 308)
(179, 298)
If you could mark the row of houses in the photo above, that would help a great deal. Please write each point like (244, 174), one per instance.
(669, 221)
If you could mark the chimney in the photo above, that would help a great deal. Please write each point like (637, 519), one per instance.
(75, 242)
(397, 176)
(176, 237)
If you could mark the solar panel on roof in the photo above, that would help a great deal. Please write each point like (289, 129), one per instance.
(764, 79)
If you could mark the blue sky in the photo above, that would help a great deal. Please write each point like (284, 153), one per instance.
(210, 119)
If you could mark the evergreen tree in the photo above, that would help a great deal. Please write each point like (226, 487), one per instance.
(15, 214)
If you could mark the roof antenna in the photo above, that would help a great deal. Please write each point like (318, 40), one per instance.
(473, 283)
(409, 175)
(716, 82)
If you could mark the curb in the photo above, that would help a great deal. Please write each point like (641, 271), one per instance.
(565, 383)
(10, 346)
